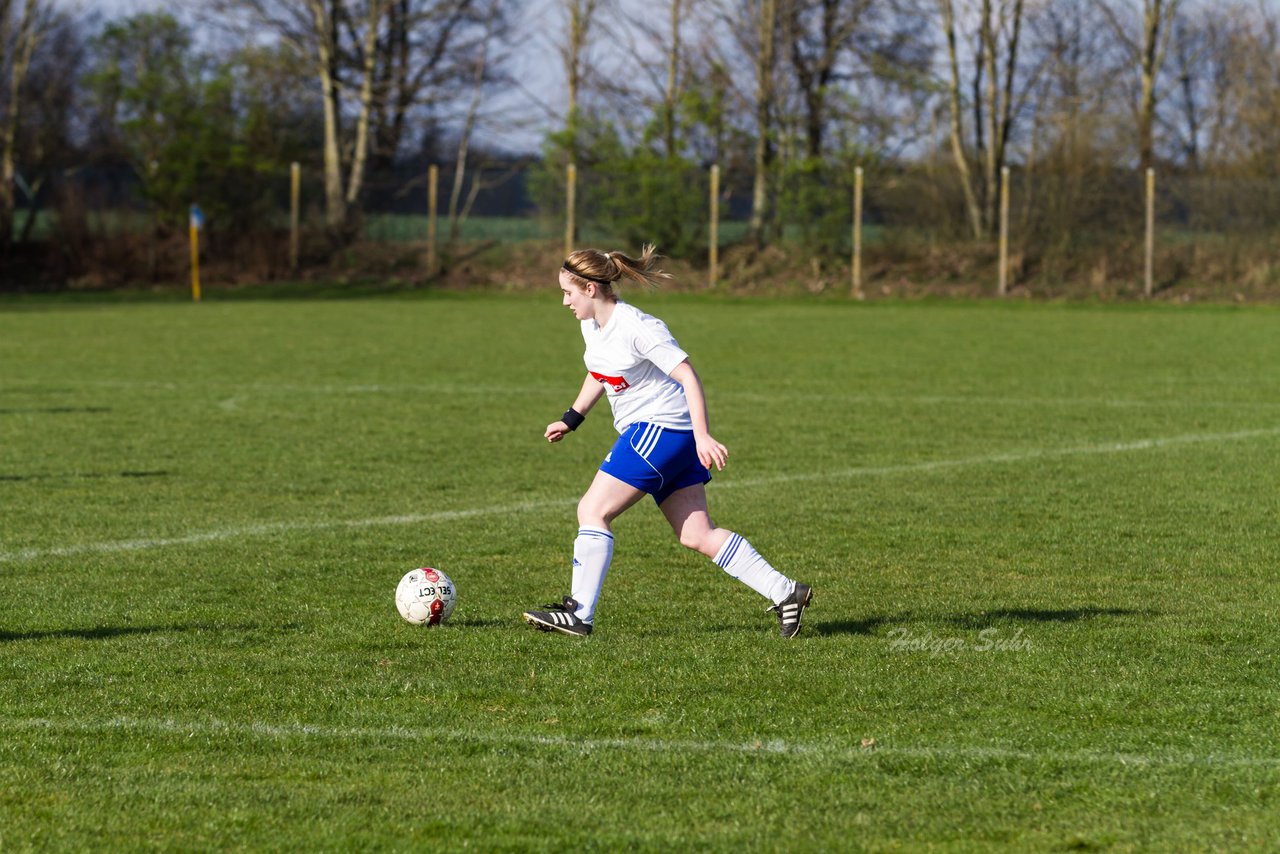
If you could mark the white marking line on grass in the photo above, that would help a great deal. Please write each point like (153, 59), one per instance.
(646, 745)
(273, 528)
(329, 388)
(1016, 457)
(501, 510)
(835, 397)
(242, 388)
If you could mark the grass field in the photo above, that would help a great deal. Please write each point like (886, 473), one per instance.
(1042, 539)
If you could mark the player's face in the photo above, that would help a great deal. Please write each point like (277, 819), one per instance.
(576, 299)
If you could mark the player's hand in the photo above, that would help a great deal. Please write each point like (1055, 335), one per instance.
(556, 431)
(711, 452)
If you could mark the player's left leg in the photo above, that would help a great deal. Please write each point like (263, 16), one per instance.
(686, 511)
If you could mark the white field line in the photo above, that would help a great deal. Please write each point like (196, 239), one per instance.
(508, 509)
(1016, 457)
(243, 389)
(823, 752)
(997, 400)
(269, 528)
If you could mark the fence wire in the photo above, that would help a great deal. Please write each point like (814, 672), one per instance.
(1065, 225)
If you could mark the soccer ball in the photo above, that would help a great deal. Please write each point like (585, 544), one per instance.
(425, 596)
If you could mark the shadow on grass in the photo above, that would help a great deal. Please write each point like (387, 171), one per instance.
(56, 410)
(109, 632)
(327, 289)
(855, 627)
(983, 619)
(487, 623)
(22, 478)
(977, 620)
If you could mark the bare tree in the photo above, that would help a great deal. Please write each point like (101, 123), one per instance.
(1074, 91)
(17, 39)
(581, 15)
(671, 92)
(1069, 118)
(44, 143)
(666, 63)
(712, 98)
(958, 154)
(1218, 54)
(480, 75)
(1145, 43)
(857, 67)
(818, 34)
(424, 57)
(995, 99)
(337, 39)
(1244, 134)
(766, 25)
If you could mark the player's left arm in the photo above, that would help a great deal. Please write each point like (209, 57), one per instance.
(710, 452)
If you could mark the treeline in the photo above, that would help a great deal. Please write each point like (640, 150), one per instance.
(105, 121)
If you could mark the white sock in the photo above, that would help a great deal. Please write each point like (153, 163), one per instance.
(744, 563)
(592, 552)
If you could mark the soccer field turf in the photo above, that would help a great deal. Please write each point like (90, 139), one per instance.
(1042, 540)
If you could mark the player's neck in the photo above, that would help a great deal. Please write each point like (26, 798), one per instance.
(604, 311)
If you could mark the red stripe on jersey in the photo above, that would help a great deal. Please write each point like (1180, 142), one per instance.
(618, 384)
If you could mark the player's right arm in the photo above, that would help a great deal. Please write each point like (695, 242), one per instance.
(590, 394)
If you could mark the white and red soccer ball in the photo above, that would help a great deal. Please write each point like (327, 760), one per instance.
(426, 596)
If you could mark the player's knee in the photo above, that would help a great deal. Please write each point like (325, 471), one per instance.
(690, 540)
(591, 515)
(696, 540)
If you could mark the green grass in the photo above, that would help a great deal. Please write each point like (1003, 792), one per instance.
(204, 510)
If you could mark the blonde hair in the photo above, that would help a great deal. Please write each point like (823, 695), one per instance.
(605, 268)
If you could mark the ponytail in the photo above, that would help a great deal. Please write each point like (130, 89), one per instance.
(605, 268)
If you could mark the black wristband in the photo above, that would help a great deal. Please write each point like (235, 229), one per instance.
(573, 418)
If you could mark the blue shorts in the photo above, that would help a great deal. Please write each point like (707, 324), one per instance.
(657, 460)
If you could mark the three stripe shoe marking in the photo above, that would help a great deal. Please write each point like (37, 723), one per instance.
(790, 617)
(564, 621)
(791, 610)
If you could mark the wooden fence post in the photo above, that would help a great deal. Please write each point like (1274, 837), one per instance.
(570, 206)
(1149, 248)
(1002, 287)
(433, 202)
(295, 213)
(856, 263)
(714, 248)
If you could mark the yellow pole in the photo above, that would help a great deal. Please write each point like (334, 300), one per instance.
(295, 213)
(570, 202)
(433, 201)
(194, 229)
(857, 234)
(1003, 285)
(714, 258)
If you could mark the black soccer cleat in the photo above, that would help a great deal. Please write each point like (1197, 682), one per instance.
(791, 609)
(559, 618)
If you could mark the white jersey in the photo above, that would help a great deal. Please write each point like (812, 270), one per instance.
(633, 356)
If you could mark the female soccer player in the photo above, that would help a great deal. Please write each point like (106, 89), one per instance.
(665, 448)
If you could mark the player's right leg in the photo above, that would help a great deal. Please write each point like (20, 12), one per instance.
(604, 501)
